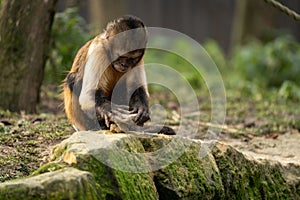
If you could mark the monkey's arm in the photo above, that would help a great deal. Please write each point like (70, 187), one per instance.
(137, 88)
(139, 105)
(94, 68)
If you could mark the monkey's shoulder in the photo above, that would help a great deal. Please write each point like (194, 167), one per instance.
(81, 57)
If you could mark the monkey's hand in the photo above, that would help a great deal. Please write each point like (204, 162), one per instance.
(110, 112)
(142, 113)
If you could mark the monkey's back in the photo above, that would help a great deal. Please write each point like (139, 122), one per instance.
(70, 104)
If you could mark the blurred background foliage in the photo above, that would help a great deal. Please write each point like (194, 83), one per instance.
(177, 62)
(251, 68)
(69, 33)
(258, 66)
(268, 64)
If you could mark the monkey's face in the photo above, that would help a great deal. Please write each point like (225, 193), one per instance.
(127, 61)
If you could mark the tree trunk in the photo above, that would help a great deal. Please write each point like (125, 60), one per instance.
(24, 35)
(238, 28)
(103, 11)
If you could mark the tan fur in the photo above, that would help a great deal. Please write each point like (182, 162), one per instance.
(108, 80)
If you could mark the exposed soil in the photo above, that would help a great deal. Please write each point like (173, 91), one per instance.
(284, 148)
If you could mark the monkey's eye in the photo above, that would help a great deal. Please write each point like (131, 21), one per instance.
(135, 60)
(121, 59)
(132, 61)
(124, 58)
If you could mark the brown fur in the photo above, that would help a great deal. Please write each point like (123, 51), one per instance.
(79, 63)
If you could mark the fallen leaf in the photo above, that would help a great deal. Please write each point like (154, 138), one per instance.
(272, 136)
(70, 158)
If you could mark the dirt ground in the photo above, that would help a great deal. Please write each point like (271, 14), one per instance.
(284, 148)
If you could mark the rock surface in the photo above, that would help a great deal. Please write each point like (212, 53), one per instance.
(139, 166)
(67, 183)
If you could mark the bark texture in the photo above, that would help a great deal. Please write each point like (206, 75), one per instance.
(24, 35)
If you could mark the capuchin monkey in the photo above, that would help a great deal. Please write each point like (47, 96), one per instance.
(107, 81)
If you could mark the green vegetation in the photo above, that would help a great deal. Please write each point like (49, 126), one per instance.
(176, 62)
(262, 87)
(68, 35)
(25, 141)
(257, 68)
(269, 65)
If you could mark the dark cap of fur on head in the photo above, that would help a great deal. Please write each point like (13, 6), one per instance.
(131, 21)
(124, 23)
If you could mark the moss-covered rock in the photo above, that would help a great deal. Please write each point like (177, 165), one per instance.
(113, 159)
(68, 183)
(245, 177)
(140, 166)
(190, 176)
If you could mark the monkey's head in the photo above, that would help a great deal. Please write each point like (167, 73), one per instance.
(126, 40)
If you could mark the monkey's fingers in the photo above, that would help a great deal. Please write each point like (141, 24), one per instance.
(134, 110)
(123, 116)
(122, 111)
(167, 131)
(123, 107)
(100, 112)
(141, 117)
(138, 118)
(107, 120)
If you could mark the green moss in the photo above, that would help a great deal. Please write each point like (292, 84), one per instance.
(63, 184)
(189, 177)
(58, 151)
(117, 184)
(246, 179)
(26, 139)
(114, 183)
(49, 167)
